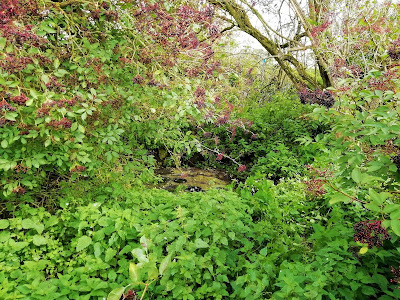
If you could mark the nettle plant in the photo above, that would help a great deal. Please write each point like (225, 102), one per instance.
(79, 80)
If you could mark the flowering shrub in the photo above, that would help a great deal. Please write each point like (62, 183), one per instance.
(80, 91)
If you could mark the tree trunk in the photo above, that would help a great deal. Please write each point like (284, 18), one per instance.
(295, 70)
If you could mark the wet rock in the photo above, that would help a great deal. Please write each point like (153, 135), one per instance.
(165, 179)
(180, 180)
(194, 189)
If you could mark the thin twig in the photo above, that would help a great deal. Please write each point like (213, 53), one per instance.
(343, 193)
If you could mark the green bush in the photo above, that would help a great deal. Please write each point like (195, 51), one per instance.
(271, 144)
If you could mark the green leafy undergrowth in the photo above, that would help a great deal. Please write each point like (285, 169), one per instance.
(270, 146)
(256, 243)
(313, 247)
(335, 269)
(84, 252)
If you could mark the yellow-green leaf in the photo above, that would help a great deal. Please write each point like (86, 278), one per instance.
(4, 224)
(356, 175)
(395, 224)
(164, 264)
(116, 294)
(83, 242)
(133, 272)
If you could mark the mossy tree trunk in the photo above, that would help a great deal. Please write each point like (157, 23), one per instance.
(294, 69)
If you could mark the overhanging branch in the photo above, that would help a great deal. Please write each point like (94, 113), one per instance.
(296, 38)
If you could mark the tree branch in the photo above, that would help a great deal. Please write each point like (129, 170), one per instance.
(299, 77)
(296, 38)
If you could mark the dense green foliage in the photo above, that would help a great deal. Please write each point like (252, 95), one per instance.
(94, 97)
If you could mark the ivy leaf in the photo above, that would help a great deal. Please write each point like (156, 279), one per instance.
(83, 242)
(199, 243)
(116, 294)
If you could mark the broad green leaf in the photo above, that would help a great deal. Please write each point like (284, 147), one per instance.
(39, 240)
(60, 73)
(199, 243)
(264, 251)
(373, 207)
(28, 224)
(390, 208)
(33, 93)
(164, 264)
(74, 126)
(133, 272)
(338, 197)
(4, 224)
(11, 116)
(140, 255)
(143, 242)
(17, 246)
(109, 254)
(48, 29)
(45, 78)
(364, 250)
(116, 294)
(379, 93)
(56, 63)
(394, 215)
(395, 224)
(378, 198)
(152, 271)
(356, 175)
(83, 242)
(4, 143)
(29, 102)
